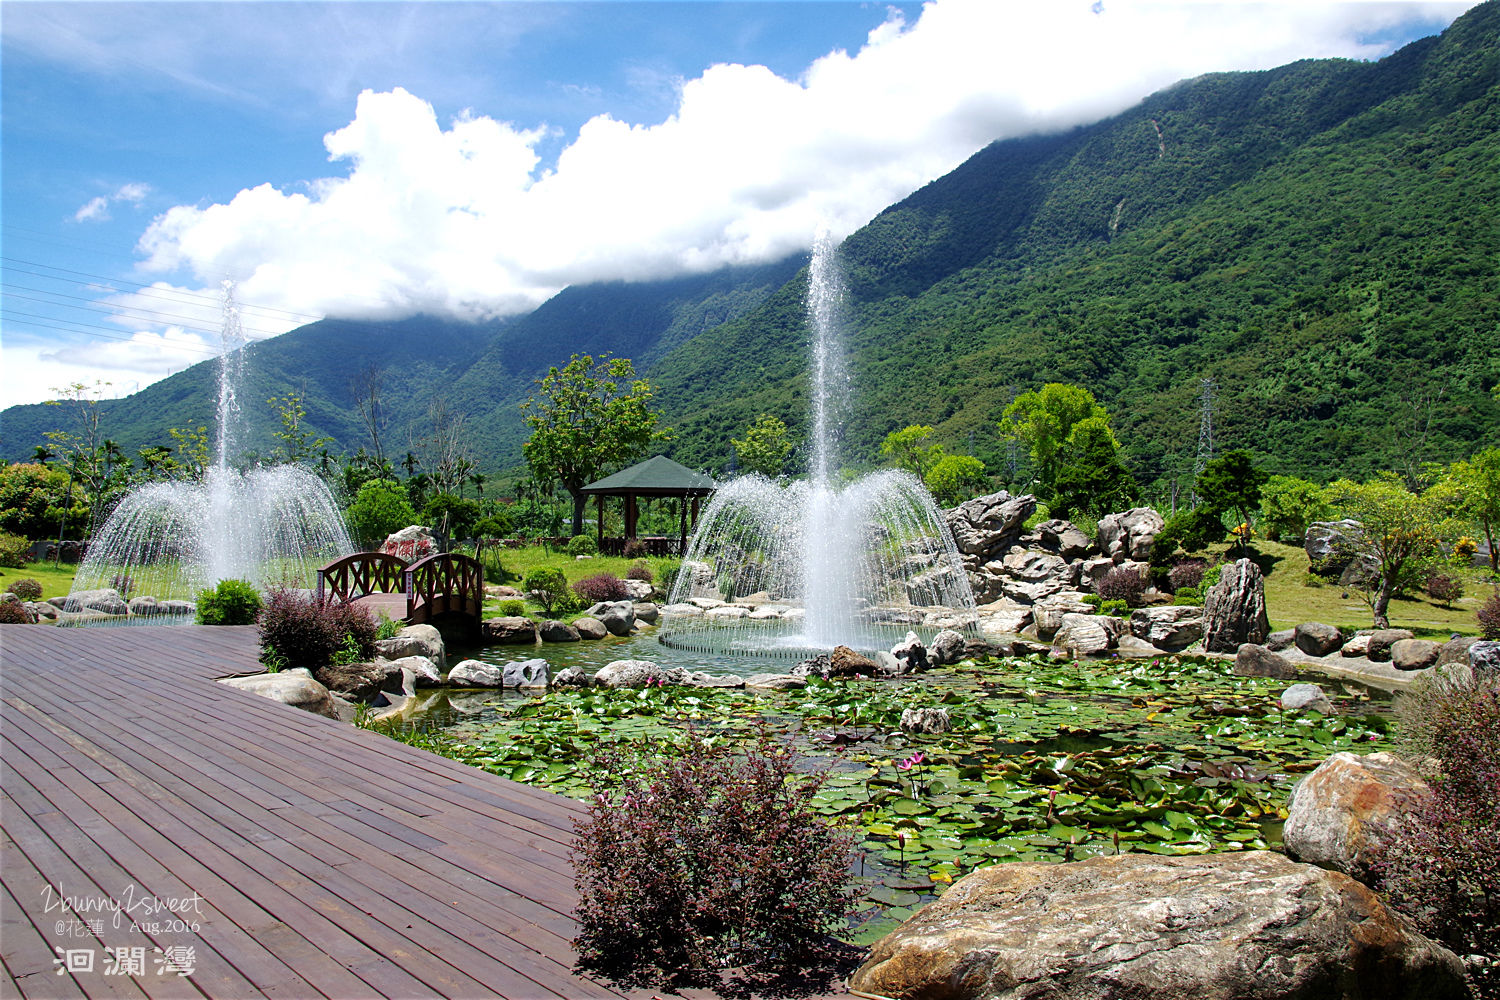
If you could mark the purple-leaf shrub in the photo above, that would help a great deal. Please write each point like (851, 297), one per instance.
(1443, 588)
(708, 862)
(1121, 584)
(15, 614)
(640, 570)
(305, 632)
(1187, 573)
(600, 587)
(1489, 617)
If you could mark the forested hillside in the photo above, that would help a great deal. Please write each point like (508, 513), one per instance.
(1321, 239)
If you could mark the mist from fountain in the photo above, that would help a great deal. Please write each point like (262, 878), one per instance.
(272, 525)
(830, 565)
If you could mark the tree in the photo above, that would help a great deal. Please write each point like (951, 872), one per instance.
(1397, 529)
(956, 478)
(1043, 421)
(451, 515)
(1475, 484)
(380, 507)
(32, 499)
(444, 452)
(765, 446)
(297, 443)
(192, 450)
(93, 461)
(909, 450)
(1091, 478)
(1288, 505)
(366, 385)
(1231, 483)
(585, 418)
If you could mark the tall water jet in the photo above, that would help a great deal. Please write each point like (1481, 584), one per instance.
(826, 565)
(273, 525)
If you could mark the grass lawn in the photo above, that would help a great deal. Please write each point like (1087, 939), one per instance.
(512, 566)
(55, 582)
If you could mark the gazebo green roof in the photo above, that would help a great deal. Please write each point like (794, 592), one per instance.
(656, 476)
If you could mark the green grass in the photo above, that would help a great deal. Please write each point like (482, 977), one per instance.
(512, 566)
(55, 582)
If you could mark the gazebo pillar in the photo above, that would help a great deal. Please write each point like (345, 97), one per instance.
(696, 501)
(682, 534)
(632, 514)
(599, 520)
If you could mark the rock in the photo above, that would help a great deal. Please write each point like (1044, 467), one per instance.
(989, 524)
(1003, 617)
(1048, 616)
(1358, 646)
(638, 590)
(414, 640)
(533, 673)
(411, 543)
(1258, 661)
(10, 598)
(1278, 642)
(1341, 812)
(647, 612)
(1173, 627)
(911, 654)
(574, 677)
(1362, 572)
(1485, 657)
(1455, 650)
(360, 681)
(1381, 641)
(925, 720)
(683, 610)
(105, 600)
(845, 662)
(947, 647)
(417, 672)
(617, 617)
(1252, 925)
(177, 607)
(553, 630)
(815, 666)
(705, 603)
(1317, 639)
(1129, 534)
(1083, 635)
(1414, 654)
(290, 687)
(40, 610)
(775, 682)
(1234, 610)
(476, 673)
(1031, 575)
(511, 631)
(1091, 571)
(589, 628)
(636, 674)
(143, 605)
(699, 679)
(728, 611)
(768, 612)
(1305, 698)
(985, 649)
(1129, 645)
(1061, 538)
(1331, 545)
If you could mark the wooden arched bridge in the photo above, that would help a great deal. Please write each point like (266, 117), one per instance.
(446, 583)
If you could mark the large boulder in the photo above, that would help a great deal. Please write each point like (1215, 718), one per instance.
(647, 612)
(636, 674)
(1318, 639)
(1306, 698)
(1382, 640)
(296, 688)
(911, 653)
(553, 630)
(845, 662)
(1003, 618)
(990, 524)
(1455, 650)
(105, 600)
(1331, 545)
(414, 640)
(947, 647)
(417, 671)
(617, 617)
(411, 543)
(1047, 616)
(144, 605)
(1340, 813)
(574, 677)
(1234, 609)
(1085, 635)
(533, 673)
(1129, 534)
(476, 674)
(1030, 575)
(512, 630)
(1172, 627)
(925, 720)
(589, 628)
(1258, 661)
(1060, 538)
(1485, 657)
(360, 681)
(1415, 654)
(1247, 926)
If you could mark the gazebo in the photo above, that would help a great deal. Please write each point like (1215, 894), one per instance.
(657, 476)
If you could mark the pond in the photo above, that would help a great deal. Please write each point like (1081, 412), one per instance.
(1047, 760)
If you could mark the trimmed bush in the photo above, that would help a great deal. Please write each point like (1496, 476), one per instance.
(15, 614)
(1489, 617)
(232, 602)
(600, 587)
(1093, 599)
(582, 545)
(14, 550)
(27, 589)
(551, 589)
(1113, 607)
(1121, 584)
(304, 632)
(1443, 588)
(709, 861)
(640, 570)
(513, 608)
(634, 549)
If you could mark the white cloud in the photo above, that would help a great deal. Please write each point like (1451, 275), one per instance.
(461, 219)
(34, 367)
(97, 209)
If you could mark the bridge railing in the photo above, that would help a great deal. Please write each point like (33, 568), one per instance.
(365, 573)
(447, 582)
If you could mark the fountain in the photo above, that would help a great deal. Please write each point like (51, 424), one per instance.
(854, 565)
(273, 525)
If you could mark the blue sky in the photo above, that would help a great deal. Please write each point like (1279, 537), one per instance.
(470, 159)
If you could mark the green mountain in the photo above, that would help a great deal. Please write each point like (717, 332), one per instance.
(1321, 239)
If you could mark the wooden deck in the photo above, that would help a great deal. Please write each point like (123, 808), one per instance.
(303, 857)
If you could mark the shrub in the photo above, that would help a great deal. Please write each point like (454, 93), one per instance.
(124, 583)
(1489, 617)
(1113, 607)
(1464, 549)
(669, 579)
(27, 589)
(1186, 573)
(1443, 588)
(1211, 576)
(305, 632)
(634, 549)
(232, 602)
(1123, 584)
(1442, 867)
(551, 589)
(513, 608)
(600, 587)
(1188, 597)
(640, 570)
(14, 550)
(1093, 599)
(387, 627)
(710, 861)
(12, 613)
(1311, 579)
(1192, 530)
(582, 545)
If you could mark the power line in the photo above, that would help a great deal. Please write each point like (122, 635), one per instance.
(1205, 432)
